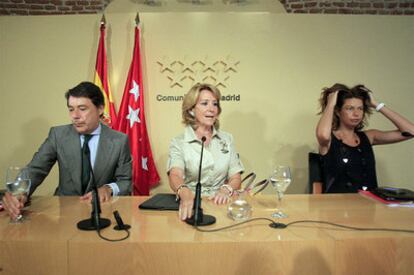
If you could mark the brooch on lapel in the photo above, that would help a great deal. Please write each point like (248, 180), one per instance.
(224, 147)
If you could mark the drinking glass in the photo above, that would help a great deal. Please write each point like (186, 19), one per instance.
(18, 184)
(280, 179)
(239, 209)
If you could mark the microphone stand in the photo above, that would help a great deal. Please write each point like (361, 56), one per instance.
(95, 222)
(199, 219)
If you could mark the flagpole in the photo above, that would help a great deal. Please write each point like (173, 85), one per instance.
(137, 21)
(103, 19)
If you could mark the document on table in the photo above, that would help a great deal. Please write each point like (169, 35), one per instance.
(408, 204)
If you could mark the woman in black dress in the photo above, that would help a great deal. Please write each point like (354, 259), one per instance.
(347, 157)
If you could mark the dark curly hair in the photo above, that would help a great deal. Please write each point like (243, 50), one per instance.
(344, 92)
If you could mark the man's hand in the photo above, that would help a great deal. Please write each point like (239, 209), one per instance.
(104, 192)
(13, 205)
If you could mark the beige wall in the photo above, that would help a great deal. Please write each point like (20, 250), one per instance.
(285, 60)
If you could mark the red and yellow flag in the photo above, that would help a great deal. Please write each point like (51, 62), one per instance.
(101, 80)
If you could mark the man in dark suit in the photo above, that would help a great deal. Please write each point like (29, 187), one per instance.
(108, 152)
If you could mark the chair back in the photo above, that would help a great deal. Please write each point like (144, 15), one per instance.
(315, 173)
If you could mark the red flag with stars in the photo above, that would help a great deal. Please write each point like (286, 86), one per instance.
(101, 80)
(131, 120)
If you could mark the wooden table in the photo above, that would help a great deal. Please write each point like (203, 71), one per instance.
(50, 243)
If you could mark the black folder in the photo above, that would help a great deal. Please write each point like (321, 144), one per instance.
(160, 201)
(394, 194)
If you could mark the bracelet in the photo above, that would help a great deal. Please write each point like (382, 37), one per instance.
(379, 106)
(229, 188)
(177, 192)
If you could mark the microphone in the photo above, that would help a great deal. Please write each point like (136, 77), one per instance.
(198, 218)
(95, 222)
(120, 223)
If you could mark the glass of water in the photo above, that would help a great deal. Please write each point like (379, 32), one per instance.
(280, 179)
(240, 209)
(18, 184)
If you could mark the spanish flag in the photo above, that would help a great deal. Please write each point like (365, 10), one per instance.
(101, 80)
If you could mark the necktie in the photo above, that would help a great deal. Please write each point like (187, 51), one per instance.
(86, 167)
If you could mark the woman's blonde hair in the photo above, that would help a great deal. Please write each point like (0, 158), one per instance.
(191, 98)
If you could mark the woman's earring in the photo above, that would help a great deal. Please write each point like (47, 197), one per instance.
(191, 113)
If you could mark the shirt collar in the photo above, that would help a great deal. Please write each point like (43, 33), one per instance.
(216, 133)
(97, 131)
(190, 136)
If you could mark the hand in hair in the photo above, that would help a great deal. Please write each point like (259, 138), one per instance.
(371, 102)
(329, 96)
(332, 98)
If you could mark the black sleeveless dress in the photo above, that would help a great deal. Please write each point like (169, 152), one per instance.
(347, 169)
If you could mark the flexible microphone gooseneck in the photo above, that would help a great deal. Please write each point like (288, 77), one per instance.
(199, 219)
(95, 222)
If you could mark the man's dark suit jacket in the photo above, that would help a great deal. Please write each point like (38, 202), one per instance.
(112, 164)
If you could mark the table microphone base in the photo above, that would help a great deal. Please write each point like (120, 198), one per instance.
(206, 220)
(89, 224)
